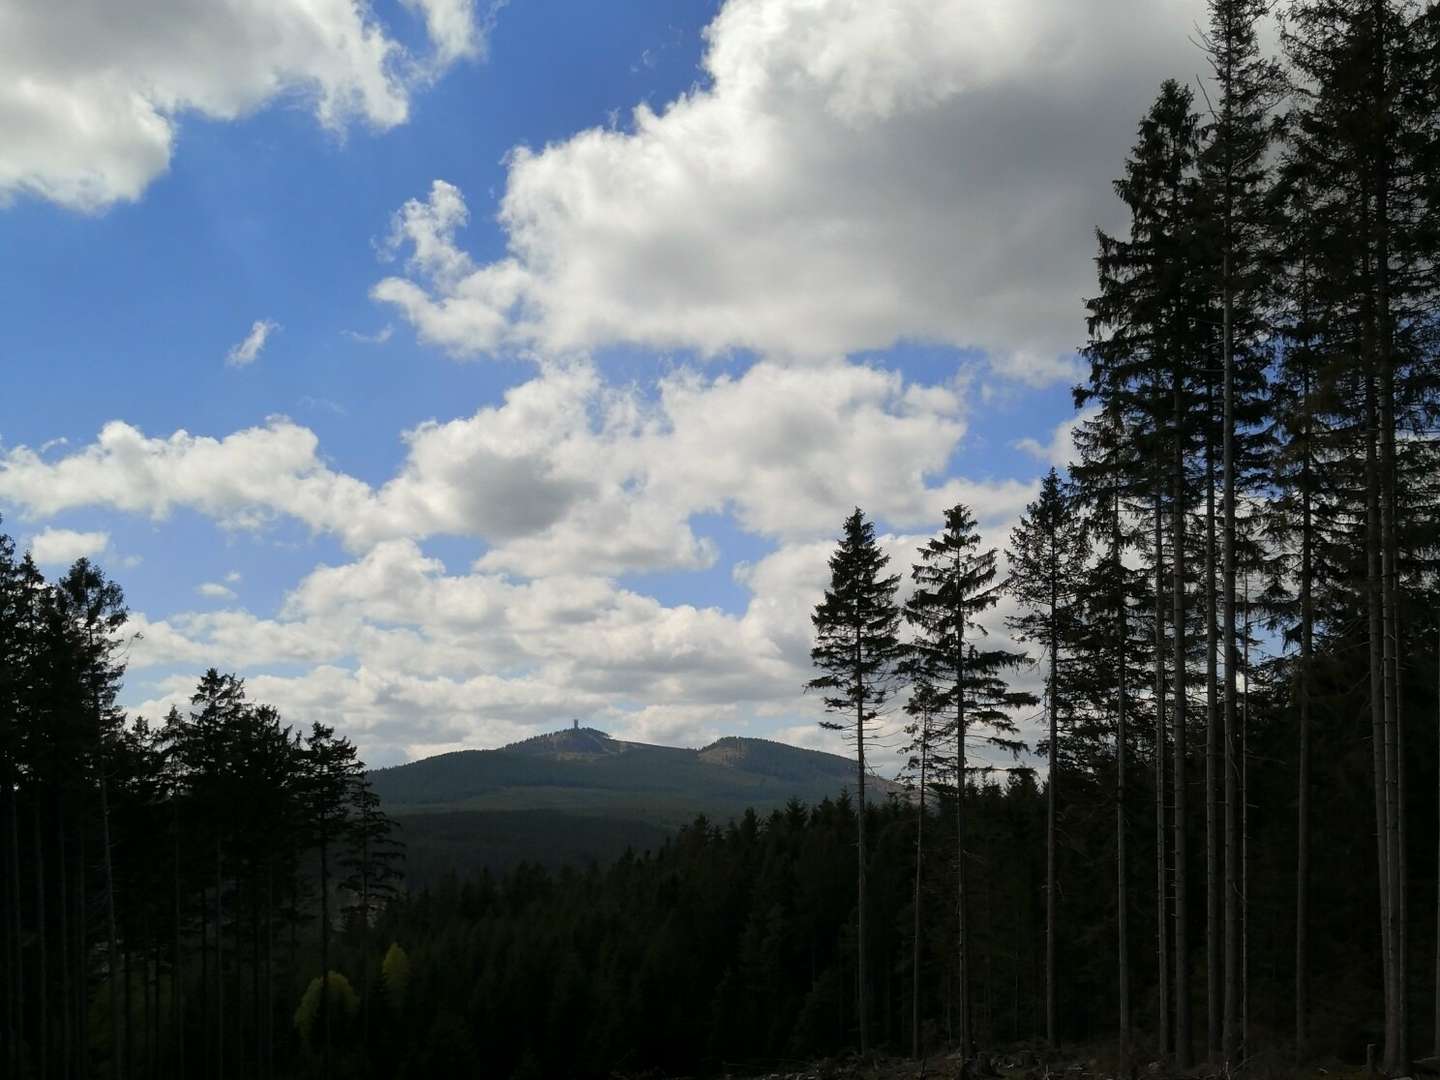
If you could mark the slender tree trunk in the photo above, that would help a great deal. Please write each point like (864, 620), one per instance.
(219, 962)
(919, 878)
(1182, 845)
(1051, 1032)
(1245, 841)
(1230, 1034)
(1302, 845)
(963, 977)
(1379, 759)
(82, 954)
(268, 1017)
(42, 966)
(1161, 877)
(1122, 901)
(112, 937)
(325, 948)
(205, 995)
(177, 956)
(1214, 894)
(17, 970)
(1436, 1048)
(1397, 1050)
(861, 944)
(67, 999)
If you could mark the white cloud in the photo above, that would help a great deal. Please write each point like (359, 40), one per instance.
(396, 646)
(247, 351)
(453, 28)
(853, 174)
(379, 337)
(567, 474)
(413, 659)
(213, 590)
(1060, 450)
(60, 547)
(242, 480)
(94, 90)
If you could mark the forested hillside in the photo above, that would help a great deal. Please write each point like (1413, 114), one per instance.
(1222, 852)
(577, 795)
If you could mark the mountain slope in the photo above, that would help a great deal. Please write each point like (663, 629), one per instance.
(578, 795)
(583, 769)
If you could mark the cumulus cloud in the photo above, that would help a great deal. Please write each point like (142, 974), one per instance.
(247, 351)
(93, 94)
(60, 547)
(568, 474)
(397, 646)
(850, 175)
(213, 590)
(242, 480)
(1060, 450)
(413, 659)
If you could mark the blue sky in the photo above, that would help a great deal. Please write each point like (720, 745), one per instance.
(587, 324)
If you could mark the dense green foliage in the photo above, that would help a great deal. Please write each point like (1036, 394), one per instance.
(1236, 593)
(166, 888)
(586, 771)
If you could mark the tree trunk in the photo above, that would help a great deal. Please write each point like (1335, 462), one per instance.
(919, 878)
(1230, 1034)
(82, 955)
(1302, 845)
(1245, 840)
(1051, 1034)
(1177, 631)
(1122, 902)
(17, 970)
(67, 1000)
(1161, 878)
(1379, 761)
(112, 937)
(42, 966)
(177, 956)
(1436, 1049)
(1396, 1020)
(219, 962)
(324, 948)
(1214, 894)
(963, 976)
(860, 943)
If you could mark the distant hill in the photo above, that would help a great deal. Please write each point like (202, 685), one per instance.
(578, 794)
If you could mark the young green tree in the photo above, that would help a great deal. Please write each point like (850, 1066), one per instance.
(1047, 556)
(1233, 170)
(1363, 132)
(923, 706)
(1149, 339)
(858, 650)
(956, 582)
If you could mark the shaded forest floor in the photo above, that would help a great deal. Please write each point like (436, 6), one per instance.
(1020, 1065)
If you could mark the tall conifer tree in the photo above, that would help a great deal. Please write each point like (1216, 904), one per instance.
(858, 650)
(955, 582)
(1047, 555)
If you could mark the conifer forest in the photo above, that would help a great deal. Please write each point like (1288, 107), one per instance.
(1222, 617)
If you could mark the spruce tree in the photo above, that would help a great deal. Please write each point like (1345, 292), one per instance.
(1233, 170)
(1150, 333)
(858, 651)
(1046, 557)
(955, 583)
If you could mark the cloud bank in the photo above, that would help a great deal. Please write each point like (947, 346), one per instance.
(850, 174)
(94, 90)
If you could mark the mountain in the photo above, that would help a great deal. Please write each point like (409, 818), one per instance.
(578, 794)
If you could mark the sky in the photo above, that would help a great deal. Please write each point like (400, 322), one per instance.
(450, 369)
